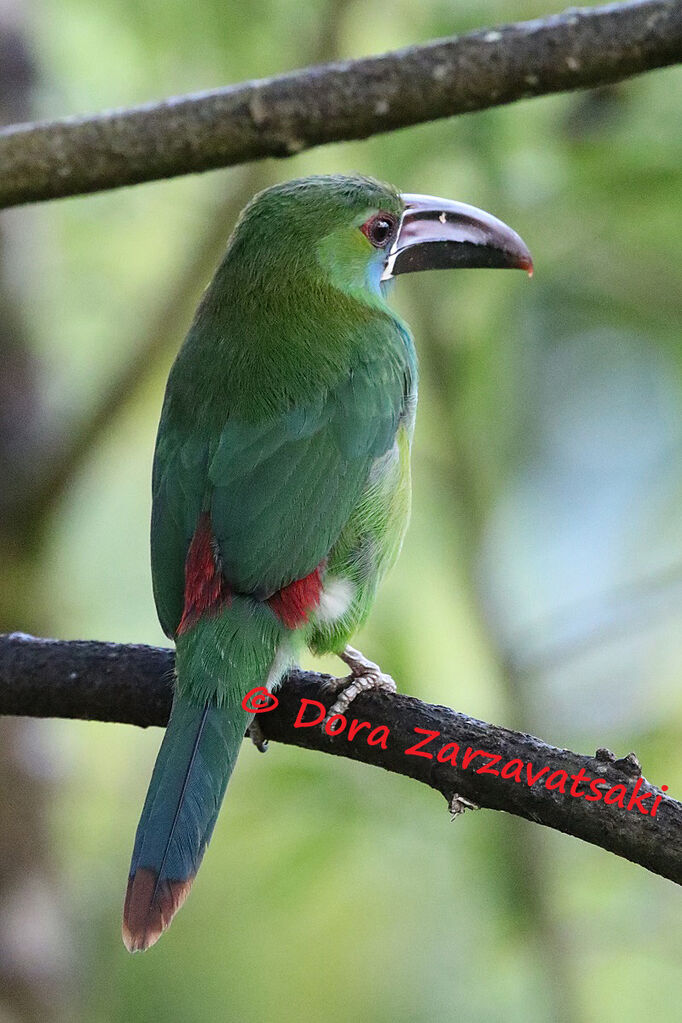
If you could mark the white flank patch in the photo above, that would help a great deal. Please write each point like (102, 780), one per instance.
(335, 600)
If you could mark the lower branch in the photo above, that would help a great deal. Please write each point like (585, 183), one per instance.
(600, 799)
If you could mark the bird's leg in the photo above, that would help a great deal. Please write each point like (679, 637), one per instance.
(458, 804)
(256, 736)
(364, 675)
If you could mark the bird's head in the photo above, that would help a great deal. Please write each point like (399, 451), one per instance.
(359, 233)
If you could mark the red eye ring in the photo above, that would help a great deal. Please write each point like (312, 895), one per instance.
(379, 229)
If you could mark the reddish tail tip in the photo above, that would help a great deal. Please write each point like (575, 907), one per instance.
(149, 908)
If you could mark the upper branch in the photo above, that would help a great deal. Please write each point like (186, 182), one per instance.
(336, 102)
(133, 684)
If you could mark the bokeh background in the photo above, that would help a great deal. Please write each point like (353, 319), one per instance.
(540, 586)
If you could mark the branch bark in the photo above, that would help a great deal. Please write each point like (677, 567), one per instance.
(133, 684)
(281, 116)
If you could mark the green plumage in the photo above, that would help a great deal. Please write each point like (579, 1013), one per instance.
(284, 393)
(288, 419)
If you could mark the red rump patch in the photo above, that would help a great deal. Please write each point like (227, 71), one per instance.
(293, 603)
(206, 589)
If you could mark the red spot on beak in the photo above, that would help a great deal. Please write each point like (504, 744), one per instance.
(527, 265)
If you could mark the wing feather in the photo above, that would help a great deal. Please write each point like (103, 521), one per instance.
(279, 491)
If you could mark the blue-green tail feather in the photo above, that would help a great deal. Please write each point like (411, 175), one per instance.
(193, 767)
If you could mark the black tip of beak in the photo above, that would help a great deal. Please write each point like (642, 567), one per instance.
(438, 234)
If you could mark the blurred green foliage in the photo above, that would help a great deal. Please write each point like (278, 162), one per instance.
(540, 585)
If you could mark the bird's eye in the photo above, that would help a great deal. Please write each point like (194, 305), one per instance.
(379, 229)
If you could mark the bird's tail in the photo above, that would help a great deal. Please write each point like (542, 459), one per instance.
(218, 661)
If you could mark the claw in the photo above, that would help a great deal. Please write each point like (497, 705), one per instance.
(458, 804)
(256, 736)
(365, 675)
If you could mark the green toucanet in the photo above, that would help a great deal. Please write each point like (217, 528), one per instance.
(281, 482)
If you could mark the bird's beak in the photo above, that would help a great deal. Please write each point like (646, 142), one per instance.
(439, 234)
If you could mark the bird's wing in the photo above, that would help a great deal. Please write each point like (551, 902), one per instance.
(280, 491)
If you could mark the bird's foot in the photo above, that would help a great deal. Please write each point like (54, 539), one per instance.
(458, 804)
(364, 675)
(256, 736)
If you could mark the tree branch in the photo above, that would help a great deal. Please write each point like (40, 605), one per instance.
(132, 684)
(336, 102)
